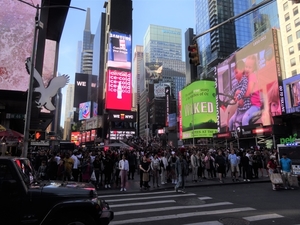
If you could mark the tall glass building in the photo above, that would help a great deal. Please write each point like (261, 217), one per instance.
(217, 45)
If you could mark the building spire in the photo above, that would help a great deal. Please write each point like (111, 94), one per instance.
(88, 20)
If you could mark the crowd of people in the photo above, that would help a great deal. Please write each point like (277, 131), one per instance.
(156, 166)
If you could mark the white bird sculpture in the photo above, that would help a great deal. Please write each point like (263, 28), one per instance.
(50, 91)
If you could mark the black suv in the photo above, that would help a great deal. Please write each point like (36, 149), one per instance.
(27, 201)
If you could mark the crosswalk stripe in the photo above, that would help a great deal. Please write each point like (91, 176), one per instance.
(182, 215)
(142, 203)
(126, 212)
(135, 194)
(206, 223)
(262, 217)
(152, 197)
(204, 198)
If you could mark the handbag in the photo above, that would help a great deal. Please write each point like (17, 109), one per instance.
(145, 177)
(93, 176)
(276, 178)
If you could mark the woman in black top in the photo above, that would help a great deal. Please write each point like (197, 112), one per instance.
(220, 162)
(144, 168)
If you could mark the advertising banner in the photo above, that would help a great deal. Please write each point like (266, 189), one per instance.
(17, 29)
(84, 111)
(118, 90)
(81, 88)
(159, 89)
(75, 137)
(119, 54)
(172, 121)
(154, 70)
(120, 134)
(198, 110)
(167, 96)
(249, 85)
(291, 89)
(122, 116)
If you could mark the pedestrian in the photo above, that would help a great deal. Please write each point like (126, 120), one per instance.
(172, 160)
(209, 165)
(245, 167)
(181, 170)
(69, 162)
(155, 167)
(132, 164)
(234, 165)
(272, 168)
(144, 169)
(108, 169)
(194, 165)
(286, 167)
(220, 162)
(124, 170)
(163, 168)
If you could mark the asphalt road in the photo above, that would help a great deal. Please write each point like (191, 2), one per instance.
(254, 203)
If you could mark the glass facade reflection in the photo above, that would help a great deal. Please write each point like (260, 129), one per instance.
(217, 45)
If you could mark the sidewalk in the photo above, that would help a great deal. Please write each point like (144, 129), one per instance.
(134, 185)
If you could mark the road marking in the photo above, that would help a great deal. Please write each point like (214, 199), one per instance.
(204, 198)
(142, 203)
(182, 215)
(152, 197)
(262, 217)
(170, 208)
(207, 223)
(135, 194)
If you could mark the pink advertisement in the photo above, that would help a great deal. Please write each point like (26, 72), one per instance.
(16, 37)
(118, 90)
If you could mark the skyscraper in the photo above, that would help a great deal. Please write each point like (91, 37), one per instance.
(136, 74)
(87, 46)
(219, 44)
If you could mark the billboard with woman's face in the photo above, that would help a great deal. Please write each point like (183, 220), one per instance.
(249, 85)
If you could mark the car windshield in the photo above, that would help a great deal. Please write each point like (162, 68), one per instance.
(26, 170)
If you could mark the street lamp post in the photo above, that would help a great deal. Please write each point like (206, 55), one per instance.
(37, 25)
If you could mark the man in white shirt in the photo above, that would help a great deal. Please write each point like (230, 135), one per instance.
(75, 170)
(124, 168)
(194, 164)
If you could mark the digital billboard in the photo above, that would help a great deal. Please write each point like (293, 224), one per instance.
(249, 85)
(75, 137)
(159, 89)
(126, 116)
(153, 70)
(119, 53)
(84, 111)
(291, 88)
(197, 107)
(95, 109)
(172, 121)
(16, 41)
(118, 90)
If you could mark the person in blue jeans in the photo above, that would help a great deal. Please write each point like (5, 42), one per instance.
(181, 170)
(286, 167)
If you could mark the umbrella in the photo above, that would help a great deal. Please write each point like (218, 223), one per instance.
(10, 133)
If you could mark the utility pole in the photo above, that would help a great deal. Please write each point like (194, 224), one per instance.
(230, 20)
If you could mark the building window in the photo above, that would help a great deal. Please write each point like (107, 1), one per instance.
(295, 11)
(288, 27)
(285, 6)
(290, 38)
(298, 46)
(294, 72)
(287, 17)
(293, 62)
(298, 34)
(291, 50)
(297, 22)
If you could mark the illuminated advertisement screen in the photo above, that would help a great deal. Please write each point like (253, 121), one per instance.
(16, 40)
(249, 85)
(95, 109)
(198, 110)
(118, 90)
(159, 89)
(120, 134)
(153, 70)
(93, 135)
(172, 121)
(291, 88)
(83, 137)
(119, 54)
(75, 137)
(84, 111)
(88, 136)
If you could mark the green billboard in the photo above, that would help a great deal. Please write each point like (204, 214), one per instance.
(197, 106)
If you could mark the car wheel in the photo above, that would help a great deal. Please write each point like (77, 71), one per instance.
(76, 219)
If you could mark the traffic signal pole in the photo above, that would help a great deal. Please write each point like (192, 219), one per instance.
(230, 20)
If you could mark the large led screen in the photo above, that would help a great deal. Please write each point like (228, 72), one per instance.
(84, 111)
(198, 112)
(119, 53)
(118, 90)
(249, 85)
(291, 88)
(16, 40)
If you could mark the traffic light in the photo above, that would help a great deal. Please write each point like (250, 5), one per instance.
(194, 54)
(39, 135)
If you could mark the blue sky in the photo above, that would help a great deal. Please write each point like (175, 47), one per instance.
(172, 13)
